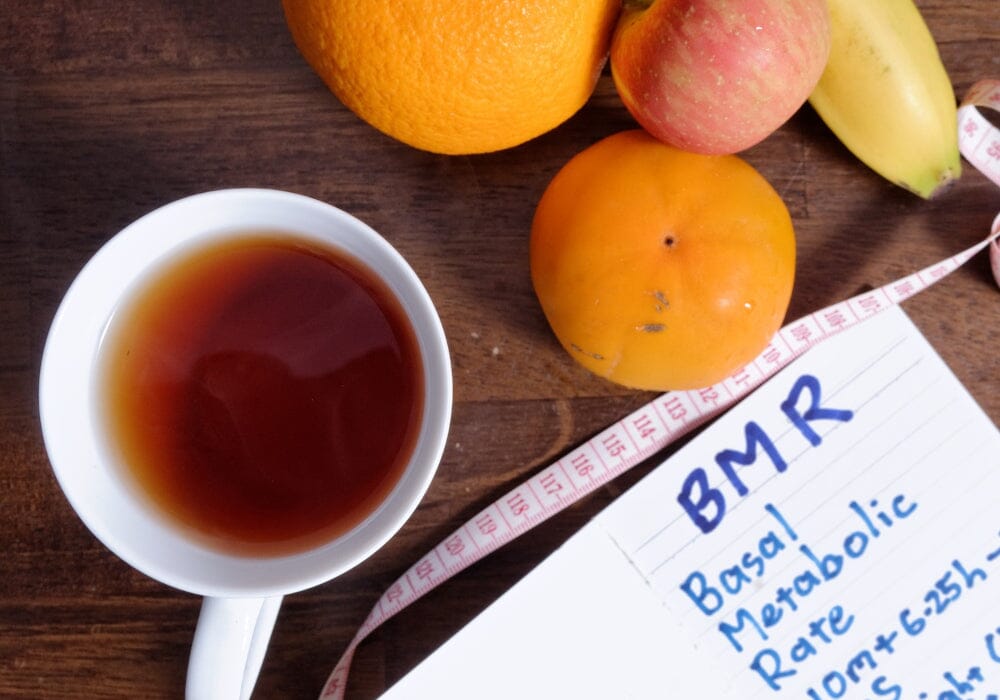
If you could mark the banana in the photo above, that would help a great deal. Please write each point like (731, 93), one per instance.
(887, 96)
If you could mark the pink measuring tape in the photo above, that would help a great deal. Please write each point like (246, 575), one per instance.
(660, 422)
(979, 142)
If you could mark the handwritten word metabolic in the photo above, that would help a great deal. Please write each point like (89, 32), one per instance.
(698, 496)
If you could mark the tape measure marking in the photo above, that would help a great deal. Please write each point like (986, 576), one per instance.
(657, 424)
(978, 140)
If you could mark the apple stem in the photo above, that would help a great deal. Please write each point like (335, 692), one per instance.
(637, 4)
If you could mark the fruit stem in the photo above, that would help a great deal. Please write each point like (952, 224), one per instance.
(637, 4)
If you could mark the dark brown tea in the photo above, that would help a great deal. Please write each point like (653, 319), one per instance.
(263, 393)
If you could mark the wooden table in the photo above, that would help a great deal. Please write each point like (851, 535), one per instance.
(109, 109)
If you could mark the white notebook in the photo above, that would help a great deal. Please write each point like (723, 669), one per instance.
(835, 535)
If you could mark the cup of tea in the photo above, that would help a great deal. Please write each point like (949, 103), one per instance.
(244, 394)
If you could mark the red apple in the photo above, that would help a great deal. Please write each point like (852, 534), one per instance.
(718, 76)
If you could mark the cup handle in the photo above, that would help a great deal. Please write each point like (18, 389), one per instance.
(228, 647)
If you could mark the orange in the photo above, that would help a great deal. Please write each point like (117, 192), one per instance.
(457, 77)
(661, 269)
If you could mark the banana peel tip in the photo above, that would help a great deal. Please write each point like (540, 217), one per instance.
(937, 187)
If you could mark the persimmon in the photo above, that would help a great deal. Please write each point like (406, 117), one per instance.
(661, 269)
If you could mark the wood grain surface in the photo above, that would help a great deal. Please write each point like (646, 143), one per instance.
(110, 109)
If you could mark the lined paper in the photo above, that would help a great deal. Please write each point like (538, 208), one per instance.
(835, 535)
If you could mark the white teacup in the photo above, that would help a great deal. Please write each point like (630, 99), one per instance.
(242, 593)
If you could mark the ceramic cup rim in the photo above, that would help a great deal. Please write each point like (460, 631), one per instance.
(108, 507)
